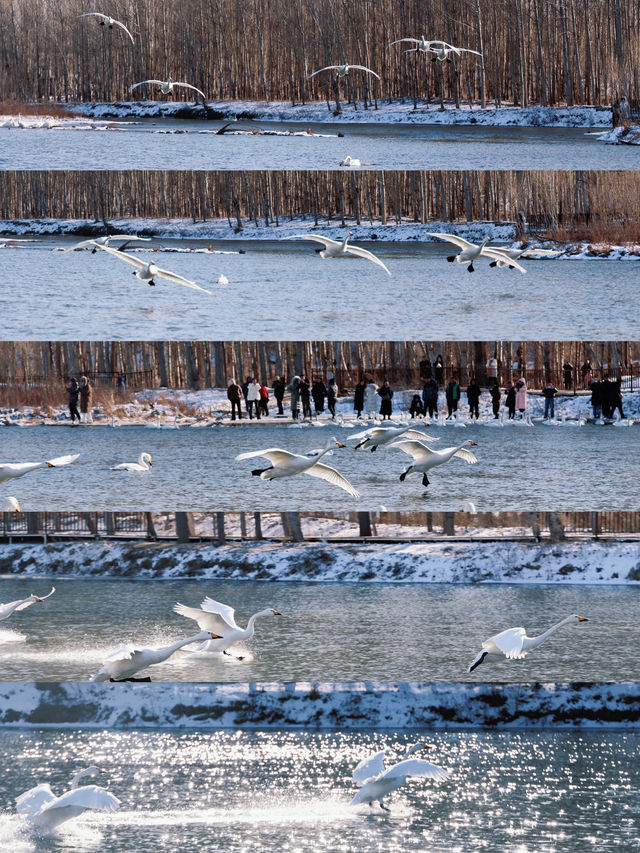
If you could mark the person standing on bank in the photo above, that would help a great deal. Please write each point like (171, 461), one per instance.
(253, 398)
(279, 386)
(596, 399)
(495, 400)
(452, 393)
(510, 400)
(473, 398)
(385, 393)
(370, 399)
(234, 396)
(332, 393)
(318, 392)
(305, 396)
(549, 392)
(438, 368)
(73, 391)
(430, 397)
(521, 396)
(245, 392)
(567, 371)
(86, 395)
(358, 398)
(263, 402)
(294, 388)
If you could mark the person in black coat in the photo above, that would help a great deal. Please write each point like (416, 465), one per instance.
(439, 370)
(473, 398)
(510, 400)
(416, 408)
(385, 393)
(358, 397)
(495, 400)
(549, 392)
(73, 390)
(608, 394)
(567, 371)
(279, 386)
(332, 393)
(430, 397)
(318, 392)
(305, 396)
(596, 398)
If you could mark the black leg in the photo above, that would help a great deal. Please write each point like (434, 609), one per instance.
(470, 268)
(493, 264)
(451, 258)
(425, 480)
(477, 663)
(375, 447)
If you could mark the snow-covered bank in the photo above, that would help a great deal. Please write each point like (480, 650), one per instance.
(397, 112)
(45, 122)
(372, 705)
(623, 135)
(571, 562)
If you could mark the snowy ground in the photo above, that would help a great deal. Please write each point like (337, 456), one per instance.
(398, 112)
(620, 135)
(570, 562)
(322, 705)
(44, 122)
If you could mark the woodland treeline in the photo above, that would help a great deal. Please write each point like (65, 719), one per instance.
(544, 52)
(206, 364)
(267, 198)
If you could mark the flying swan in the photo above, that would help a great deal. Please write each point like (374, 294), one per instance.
(148, 271)
(343, 70)
(514, 643)
(7, 609)
(43, 811)
(376, 781)
(287, 464)
(143, 464)
(337, 248)
(377, 436)
(424, 45)
(446, 51)
(99, 242)
(12, 470)
(167, 86)
(220, 618)
(471, 251)
(424, 458)
(126, 662)
(106, 21)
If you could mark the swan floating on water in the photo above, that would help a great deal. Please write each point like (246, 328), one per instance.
(108, 21)
(343, 70)
(376, 781)
(11, 607)
(12, 470)
(143, 464)
(167, 86)
(472, 251)
(9, 504)
(338, 248)
(424, 458)
(514, 643)
(350, 161)
(126, 662)
(220, 618)
(149, 271)
(287, 464)
(43, 811)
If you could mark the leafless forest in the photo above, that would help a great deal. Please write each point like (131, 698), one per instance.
(204, 364)
(605, 202)
(543, 52)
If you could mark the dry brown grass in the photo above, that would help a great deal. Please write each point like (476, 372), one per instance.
(45, 399)
(607, 233)
(12, 108)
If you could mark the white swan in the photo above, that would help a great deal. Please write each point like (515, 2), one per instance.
(126, 662)
(167, 86)
(377, 436)
(514, 643)
(343, 70)
(337, 248)
(376, 781)
(12, 470)
(516, 254)
(446, 51)
(424, 458)
(424, 45)
(471, 251)
(143, 464)
(149, 271)
(350, 161)
(107, 21)
(287, 464)
(220, 618)
(98, 242)
(222, 279)
(21, 604)
(524, 421)
(9, 505)
(44, 811)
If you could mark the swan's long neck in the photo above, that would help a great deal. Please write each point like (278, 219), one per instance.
(344, 243)
(142, 461)
(532, 642)
(167, 651)
(80, 776)
(252, 620)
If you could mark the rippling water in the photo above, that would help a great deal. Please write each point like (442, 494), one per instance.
(95, 296)
(379, 147)
(519, 468)
(546, 792)
(328, 632)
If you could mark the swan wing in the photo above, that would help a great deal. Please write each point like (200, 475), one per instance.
(317, 238)
(172, 276)
(330, 475)
(61, 461)
(34, 799)
(397, 41)
(122, 27)
(367, 433)
(509, 642)
(18, 604)
(415, 449)
(226, 612)
(415, 767)
(189, 86)
(466, 50)
(467, 455)
(320, 70)
(88, 797)
(369, 768)
(206, 621)
(82, 242)
(498, 255)
(125, 653)
(135, 262)
(421, 436)
(364, 68)
(94, 14)
(142, 82)
(363, 253)
(452, 238)
(275, 455)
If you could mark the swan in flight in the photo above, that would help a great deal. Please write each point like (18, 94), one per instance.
(337, 248)
(9, 505)
(220, 618)
(107, 21)
(143, 464)
(343, 70)
(43, 811)
(167, 86)
(424, 458)
(376, 436)
(7, 609)
(99, 242)
(376, 781)
(446, 51)
(149, 271)
(9, 470)
(424, 45)
(471, 251)
(287, 464)
(126, 662)
(514, 643)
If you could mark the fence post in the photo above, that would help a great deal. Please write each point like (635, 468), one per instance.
(449, 524)
(257, 523)
(595, 524)
(151, 528)
(184, 526)
(220, 527)
(109, 523)
(364, 522)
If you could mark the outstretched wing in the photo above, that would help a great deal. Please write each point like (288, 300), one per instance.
(88, 797)
(364, 68)
(125, 653)
(224, 610)
(61, 461)
(330, 475)
(421, 436)
(83, 242)
(415, 449)
(499, 255)
(18, 604)
(467, 50)
(135, 262)
(207, 621)
(317, 238)
(172, 276)
(189, 86)
(369, 768)
(415, 767)
(397, 41)
(368, 433)
(509, 642)
(467, 455)
(142, 82)
(452, 238)
(274, 454)
(320, 70)
(363, 253)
